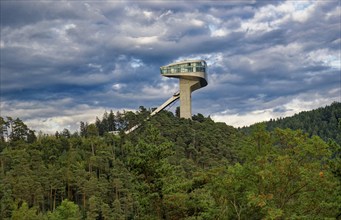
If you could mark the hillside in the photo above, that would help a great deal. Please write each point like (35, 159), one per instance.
(324, 122)
(169, 168)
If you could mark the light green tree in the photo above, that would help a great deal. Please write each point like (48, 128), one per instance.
(66, 211)
(26, 213)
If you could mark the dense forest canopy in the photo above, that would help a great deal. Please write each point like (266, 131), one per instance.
(172, 168)
(324, 122)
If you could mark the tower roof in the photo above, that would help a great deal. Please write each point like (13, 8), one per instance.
(189, 69)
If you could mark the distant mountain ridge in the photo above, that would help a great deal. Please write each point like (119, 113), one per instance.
(324, 122)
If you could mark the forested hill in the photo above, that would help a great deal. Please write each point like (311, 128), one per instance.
(324, 122)
(169, 168)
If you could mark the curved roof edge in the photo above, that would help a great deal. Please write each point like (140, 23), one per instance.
(184, 61)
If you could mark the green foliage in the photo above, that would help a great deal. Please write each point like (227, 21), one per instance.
(15, 130)
(324, 122)
(169, 168)
(290, 181)
(26, 213)
(67, 210)
(92, 130)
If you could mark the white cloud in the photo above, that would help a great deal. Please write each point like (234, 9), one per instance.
(271, 17)
(238, 120)
(145, 40)
(118, 86)
(197, 22)
(326, 56)
(260, 55)
(148, 14)
(222, 32)
(303, 10)
(52, 116)
(161, 90)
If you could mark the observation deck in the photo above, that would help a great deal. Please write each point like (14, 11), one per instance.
(187, 69)
(192, 76)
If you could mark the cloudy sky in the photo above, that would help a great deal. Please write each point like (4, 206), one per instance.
(63, 62)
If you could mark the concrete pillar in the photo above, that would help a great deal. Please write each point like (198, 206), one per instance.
(187, 86)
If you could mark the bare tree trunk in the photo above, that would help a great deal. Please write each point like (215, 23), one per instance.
(84, 201)
(51, 198)
(54, 200)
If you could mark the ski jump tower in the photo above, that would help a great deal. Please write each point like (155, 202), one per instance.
(192, 76)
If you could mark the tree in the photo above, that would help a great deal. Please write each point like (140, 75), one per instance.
(6, 199)
(323, 122)
(105, 122)
(83, 129)
(292, 181)
(92, 130)
(148, 159)
(198, 117)
(67, 210)
(20, 131)
(177, 112)
(111, 121)
(66, 133)
(3, 129)
(171, 168)
(26, 213)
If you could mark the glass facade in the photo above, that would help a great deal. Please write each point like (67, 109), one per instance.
(189, 67)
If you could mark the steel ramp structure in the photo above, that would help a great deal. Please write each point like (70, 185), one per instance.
(172, 99)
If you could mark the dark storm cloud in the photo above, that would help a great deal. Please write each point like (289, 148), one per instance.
(20, 13)
(103, 55)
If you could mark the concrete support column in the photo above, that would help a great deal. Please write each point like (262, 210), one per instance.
(187, 86)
